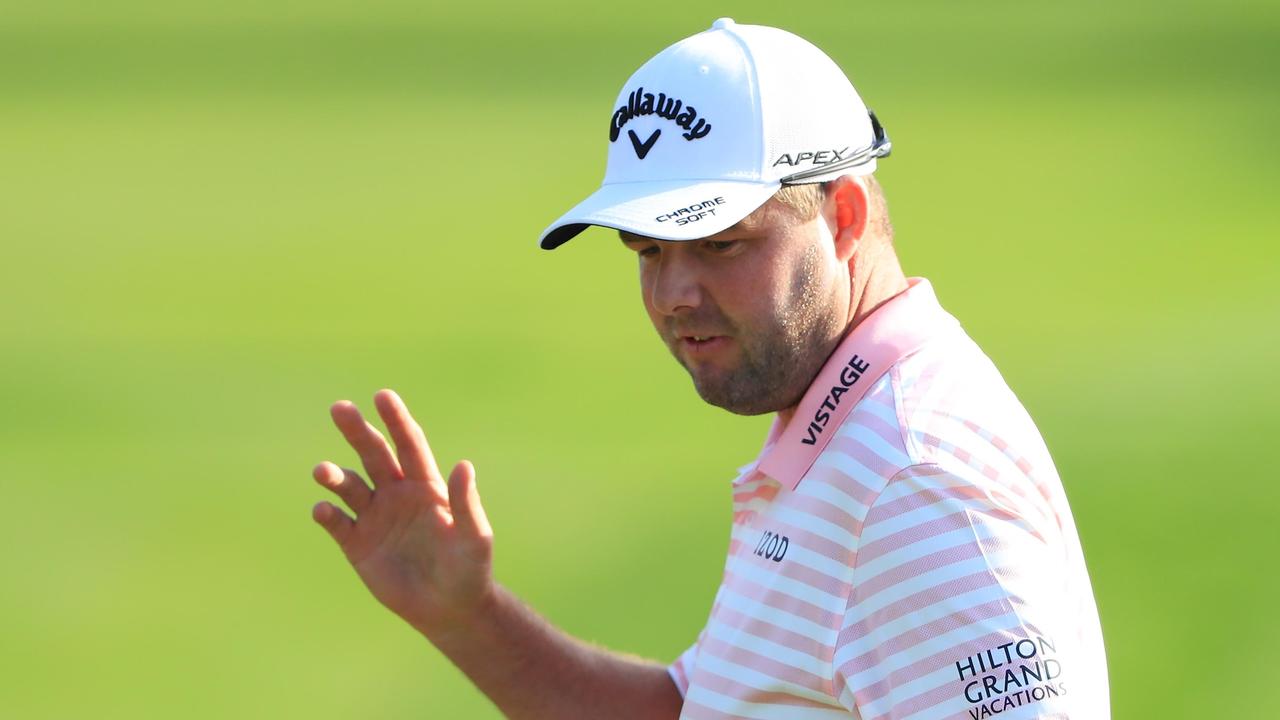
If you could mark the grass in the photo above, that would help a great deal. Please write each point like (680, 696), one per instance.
(217, 221)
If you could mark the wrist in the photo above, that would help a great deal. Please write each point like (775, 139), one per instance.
(464, 627)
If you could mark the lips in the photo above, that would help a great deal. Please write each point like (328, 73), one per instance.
(684, 336)
(694, 333)
(702, 345)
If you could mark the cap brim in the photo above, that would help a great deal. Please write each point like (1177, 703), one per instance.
(666, 210)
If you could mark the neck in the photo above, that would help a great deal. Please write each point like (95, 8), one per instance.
(878, 284)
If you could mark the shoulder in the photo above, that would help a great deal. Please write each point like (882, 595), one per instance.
(948, 567)
(960, 418)
(940, 421)
(942, 413)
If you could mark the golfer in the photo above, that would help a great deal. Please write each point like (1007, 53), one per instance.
(901, 547)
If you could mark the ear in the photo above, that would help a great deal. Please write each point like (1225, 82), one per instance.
(845, 210)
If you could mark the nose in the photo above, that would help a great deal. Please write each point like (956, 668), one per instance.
(676, 284)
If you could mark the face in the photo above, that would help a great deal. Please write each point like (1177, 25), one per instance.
(752, 312)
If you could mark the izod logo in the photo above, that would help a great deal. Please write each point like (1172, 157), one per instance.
(773, 546)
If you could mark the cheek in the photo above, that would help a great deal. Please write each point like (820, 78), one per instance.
(810, 275)
(773, 287)
(646, 296)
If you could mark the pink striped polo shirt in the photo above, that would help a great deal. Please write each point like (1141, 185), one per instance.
(903, 548)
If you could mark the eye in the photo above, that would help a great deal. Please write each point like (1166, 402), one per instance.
(647, 250)
(720, 245)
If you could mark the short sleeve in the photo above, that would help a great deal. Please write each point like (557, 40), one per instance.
(964, 605)
(683, 667)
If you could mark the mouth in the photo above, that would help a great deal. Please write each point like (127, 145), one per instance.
(697, 346)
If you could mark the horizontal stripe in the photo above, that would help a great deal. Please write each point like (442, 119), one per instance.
(757, 611)
(923, 532)
(816, 508)
(741, 639)
(833, 532)
(932, 526)
(814, 645)
(798, 566)
(860, 637)
(782, 593)
(781, 698)
(854, 475)
(734, 709)
(926, 682)
(966, 552)
(899, 671)
(829, 489)
(756, 670)
(866, 617)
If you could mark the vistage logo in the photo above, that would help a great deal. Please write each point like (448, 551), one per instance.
(849, 375)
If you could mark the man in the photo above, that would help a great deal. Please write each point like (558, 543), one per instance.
(901, 548)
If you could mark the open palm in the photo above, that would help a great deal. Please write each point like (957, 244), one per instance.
(423, 548)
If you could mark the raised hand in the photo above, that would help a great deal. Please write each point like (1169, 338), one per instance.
(423, 548)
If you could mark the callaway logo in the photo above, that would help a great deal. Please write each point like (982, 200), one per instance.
(642, 148)
(641, 103)
(820, 157)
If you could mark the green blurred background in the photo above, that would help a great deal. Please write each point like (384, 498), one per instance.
(217, 218)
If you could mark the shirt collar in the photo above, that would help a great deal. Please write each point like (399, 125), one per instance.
(893, 331)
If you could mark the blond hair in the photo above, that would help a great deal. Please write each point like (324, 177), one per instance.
(806, 200)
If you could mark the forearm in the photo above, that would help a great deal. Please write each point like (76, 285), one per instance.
(533, 671)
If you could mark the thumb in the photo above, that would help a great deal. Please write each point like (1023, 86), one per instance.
(464, 501)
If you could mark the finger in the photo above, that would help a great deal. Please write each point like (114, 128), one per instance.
(335, 521)
(375, 454)
(346, 484)
(411, 443)
(464, 501)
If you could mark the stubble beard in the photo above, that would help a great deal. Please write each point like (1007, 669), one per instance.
(777, 362)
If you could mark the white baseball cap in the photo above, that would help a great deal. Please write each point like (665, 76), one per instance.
(710, 128)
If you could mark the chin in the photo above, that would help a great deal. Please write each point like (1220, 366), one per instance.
(728, 397)
(746, 389)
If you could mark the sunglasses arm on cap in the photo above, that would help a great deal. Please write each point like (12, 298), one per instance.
(880, 147)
